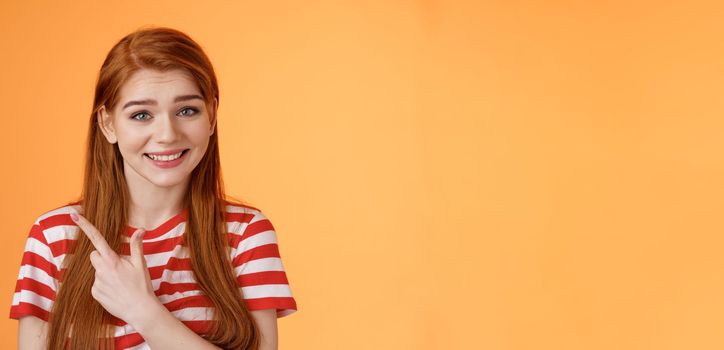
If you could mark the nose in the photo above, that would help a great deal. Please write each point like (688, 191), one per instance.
(166, 130)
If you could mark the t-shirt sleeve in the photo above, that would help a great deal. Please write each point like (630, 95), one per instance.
(258, 267)
(37, 282)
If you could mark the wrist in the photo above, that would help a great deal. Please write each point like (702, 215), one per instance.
(148, 314)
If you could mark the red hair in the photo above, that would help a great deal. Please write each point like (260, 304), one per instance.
(105, 199)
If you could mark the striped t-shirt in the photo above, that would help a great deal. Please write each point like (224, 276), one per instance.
(254, 255)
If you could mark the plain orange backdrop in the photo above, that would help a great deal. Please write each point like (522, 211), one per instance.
(504, 175)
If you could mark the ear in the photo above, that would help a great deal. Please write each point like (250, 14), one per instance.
(105, 123)
(214, 108)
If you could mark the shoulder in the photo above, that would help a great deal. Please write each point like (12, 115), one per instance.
(242, 214)
(54, 227)
(57, 215)
(238, 206)
(244, 222)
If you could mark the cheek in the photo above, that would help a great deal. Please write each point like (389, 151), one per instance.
(199, 134)
(129, 143)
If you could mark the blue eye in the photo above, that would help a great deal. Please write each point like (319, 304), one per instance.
(192, 109)
(137, 114)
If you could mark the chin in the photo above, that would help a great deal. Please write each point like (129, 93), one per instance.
(167, 181)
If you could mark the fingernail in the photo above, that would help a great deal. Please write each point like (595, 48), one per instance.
(74, 216)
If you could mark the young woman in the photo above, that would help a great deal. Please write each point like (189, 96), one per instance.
(208, 273)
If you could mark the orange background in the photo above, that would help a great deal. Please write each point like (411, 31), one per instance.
(441, 174)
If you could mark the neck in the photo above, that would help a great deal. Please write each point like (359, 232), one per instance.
(150, 205)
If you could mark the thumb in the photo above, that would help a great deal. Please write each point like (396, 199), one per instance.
(137, 247)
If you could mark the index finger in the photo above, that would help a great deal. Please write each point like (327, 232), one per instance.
(95, 237)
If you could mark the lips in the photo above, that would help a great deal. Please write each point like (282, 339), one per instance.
(168, 153)
(167, 162)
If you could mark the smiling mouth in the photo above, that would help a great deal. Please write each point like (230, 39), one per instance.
(166, 158)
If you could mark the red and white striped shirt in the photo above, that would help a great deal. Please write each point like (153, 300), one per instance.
(254, 254)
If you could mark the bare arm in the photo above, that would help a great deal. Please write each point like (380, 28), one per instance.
(162, 331)
(32, 333)
(266, 320)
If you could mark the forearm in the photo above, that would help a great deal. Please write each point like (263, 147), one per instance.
(266, 320)
(163, 331)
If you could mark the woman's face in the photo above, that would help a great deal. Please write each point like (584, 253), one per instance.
(159, 112)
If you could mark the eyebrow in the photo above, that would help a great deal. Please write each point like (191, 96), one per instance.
(153, 102)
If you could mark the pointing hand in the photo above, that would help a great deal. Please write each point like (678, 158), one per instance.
(122, 284)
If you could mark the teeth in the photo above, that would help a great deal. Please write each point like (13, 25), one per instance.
(165, 158)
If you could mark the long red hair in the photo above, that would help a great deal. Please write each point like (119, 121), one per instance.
(105, 199)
